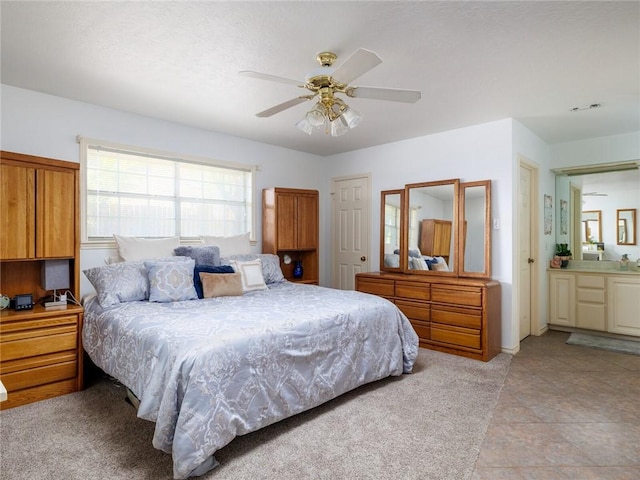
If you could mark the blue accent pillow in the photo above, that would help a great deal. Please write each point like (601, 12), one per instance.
(171, 281)
(208, 255)
(197, 282)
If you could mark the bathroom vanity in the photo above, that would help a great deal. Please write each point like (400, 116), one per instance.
(595, 296)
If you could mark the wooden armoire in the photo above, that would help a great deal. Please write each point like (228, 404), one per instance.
(290, 229)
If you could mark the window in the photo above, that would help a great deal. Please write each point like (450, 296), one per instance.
(137, 192)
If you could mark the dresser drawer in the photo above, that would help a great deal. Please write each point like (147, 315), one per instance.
(423, 329)
(414, 310)
(413, 290)
(376, 286)
(39, 345)
(462, 317)
(469, 296)
(39, 376)
(464, 337)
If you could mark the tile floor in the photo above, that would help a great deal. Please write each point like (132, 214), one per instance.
(565, 412)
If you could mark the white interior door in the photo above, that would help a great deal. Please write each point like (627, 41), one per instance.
(350, 229)
(524, 258)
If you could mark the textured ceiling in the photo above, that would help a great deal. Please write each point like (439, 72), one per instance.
(473, 61)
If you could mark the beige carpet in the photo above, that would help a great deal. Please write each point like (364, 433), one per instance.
(427, 425)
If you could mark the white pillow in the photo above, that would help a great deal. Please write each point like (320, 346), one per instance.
(251, 274)
(135, 248)
(233, 245)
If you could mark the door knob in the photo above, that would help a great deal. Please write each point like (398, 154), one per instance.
(363, 258)
(530, 260)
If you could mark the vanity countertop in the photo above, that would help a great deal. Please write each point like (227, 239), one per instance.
(605, 266)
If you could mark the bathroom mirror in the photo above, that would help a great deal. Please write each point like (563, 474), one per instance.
(591, 226)
(626, 226)
(431, 219)
(475, 229)
(391, 227)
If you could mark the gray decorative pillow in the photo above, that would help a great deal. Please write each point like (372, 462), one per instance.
(271, 270)
(119, 282)
(207, 255)
(171, 281)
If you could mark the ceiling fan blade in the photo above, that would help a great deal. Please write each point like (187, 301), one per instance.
(283, 106)
(271, 78)
(359, 63)
(390, 94)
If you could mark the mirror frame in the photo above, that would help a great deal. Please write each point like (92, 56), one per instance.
(599, 220)
(486, 273)
(455, 182)
(383, 196)
(633, 223)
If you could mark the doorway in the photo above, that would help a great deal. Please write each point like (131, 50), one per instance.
(528, 310)
(350, 239)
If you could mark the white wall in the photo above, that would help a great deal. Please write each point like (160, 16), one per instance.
(39, 124)
(593, 151)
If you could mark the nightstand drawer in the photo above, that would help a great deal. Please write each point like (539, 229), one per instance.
(40, 376)
(41, 345)
(464, 337)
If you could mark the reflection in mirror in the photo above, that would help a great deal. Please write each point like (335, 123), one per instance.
(431, 218)
(475, 242)
(626, 222)
(604, 187)
(391, 222)
(591, 226)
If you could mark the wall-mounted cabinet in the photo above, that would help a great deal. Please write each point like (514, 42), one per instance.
(290, 229)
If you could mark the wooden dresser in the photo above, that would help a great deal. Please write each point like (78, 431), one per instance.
(453, 315)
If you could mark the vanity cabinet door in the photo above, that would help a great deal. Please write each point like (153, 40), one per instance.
(623, 304)
(562, 299)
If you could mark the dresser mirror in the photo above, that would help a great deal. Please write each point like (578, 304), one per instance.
(475, 228)
(626, 226)
(431, 219)
(391, 226)
(591, 226)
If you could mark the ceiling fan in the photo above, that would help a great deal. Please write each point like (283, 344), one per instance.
(326, 82)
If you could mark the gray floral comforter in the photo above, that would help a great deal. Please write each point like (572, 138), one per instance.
(208, 370)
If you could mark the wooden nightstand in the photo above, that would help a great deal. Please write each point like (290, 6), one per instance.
(40, 353)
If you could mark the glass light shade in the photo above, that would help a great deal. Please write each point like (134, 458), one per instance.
(351, 117)
(339, 127)
(315, 116)
(305, 126)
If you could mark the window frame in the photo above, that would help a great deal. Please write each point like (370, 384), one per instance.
(86, 143)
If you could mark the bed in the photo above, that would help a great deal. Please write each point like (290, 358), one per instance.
(207, 370)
